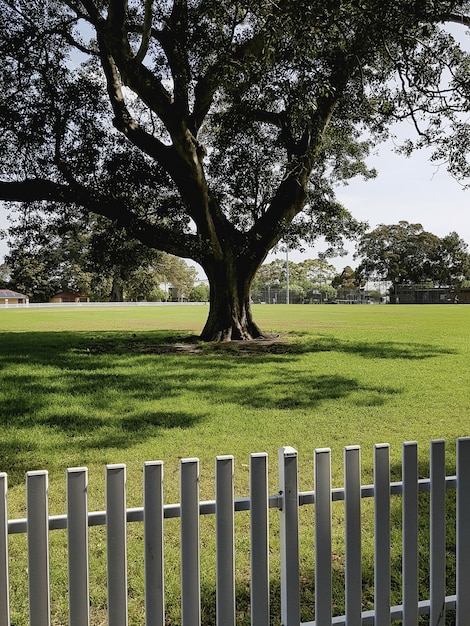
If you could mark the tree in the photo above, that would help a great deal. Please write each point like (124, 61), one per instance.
(199, 293)
(41, 261)
(123, 263)
(50, 253)
(269, 279)
(212, 130)
(315, 275)
(181, 276)
(451, 263)
(270, 282)
(4, 274)
(47, 255)
(348, 279)
(405, 253)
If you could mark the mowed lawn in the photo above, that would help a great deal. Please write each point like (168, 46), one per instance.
(90, 386)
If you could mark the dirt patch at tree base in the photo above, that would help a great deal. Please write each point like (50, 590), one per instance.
(192, 345)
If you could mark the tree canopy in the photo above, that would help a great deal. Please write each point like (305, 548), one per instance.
(405, 253)
(214, 129)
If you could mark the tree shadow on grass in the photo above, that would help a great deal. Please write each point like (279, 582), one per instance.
(293, 344)
(368, 348)
(107, 390)
(174, 342)
(82, 436)
(84, 363)
(302, 390)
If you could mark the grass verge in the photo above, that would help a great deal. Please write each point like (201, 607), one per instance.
(95, 386)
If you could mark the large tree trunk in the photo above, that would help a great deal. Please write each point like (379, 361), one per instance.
(230, 316)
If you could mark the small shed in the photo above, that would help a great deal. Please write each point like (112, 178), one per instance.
(7, 296)
(69, 296)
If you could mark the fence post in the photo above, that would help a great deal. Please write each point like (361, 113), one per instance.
(410, 532)
(4, 584)
(38, 548)
(323, 581)
(259, 503)
(225, 541)
(382, 574)
(153, 542)
(437, 533)
(289, 529)
(116, 544)
(463, 536)
(352, 505)
(190, 561)
(77, 534)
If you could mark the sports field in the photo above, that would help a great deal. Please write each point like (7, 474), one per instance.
(91, 386)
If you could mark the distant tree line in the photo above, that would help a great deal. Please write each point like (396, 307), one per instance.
(397, 254)
(46, 257)
(309, 280)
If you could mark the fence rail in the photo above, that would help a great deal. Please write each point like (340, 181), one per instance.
(77, 519)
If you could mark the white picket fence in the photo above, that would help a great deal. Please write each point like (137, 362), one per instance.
(38, 525)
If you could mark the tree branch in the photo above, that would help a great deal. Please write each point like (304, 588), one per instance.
(146, 32)
(291, 195)
(123, 120)
(116, 22)
(114, 44)
(153, 235)
(94, 16)
(208, 84)
(457, 19)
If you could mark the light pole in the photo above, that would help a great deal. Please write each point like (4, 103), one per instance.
(276, 285)
(287, 276)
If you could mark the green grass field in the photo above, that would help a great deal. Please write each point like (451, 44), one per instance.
(91, 386)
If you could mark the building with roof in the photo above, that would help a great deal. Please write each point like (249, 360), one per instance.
(8, 296)
(69, 296)
(422, 294)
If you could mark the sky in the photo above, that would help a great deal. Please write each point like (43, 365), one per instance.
(406, 188)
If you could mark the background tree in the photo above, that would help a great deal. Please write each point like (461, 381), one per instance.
(270, 282)
(199, 293)
(347, 282)
(123, 262)
(181, 276)
(451, 263)
(42, 260)
(4, 275)
(315, 276)
(212, 130)
(406, 254)
(49, 253)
